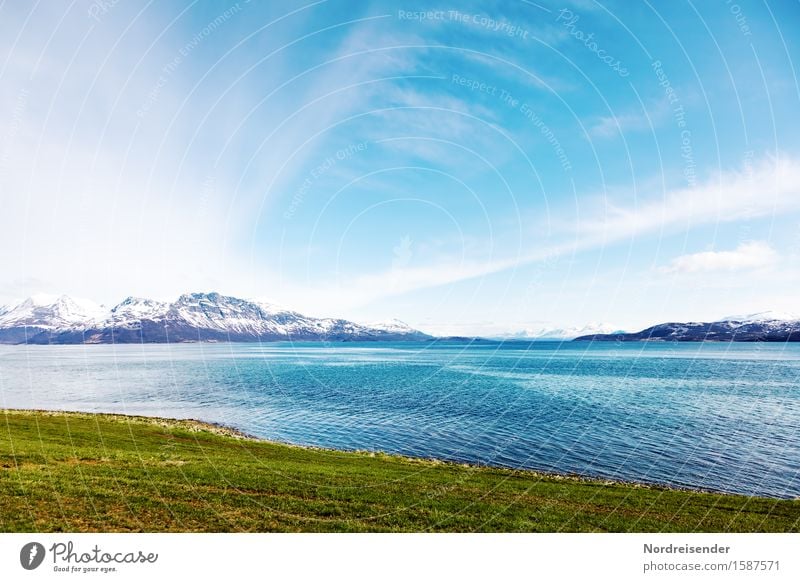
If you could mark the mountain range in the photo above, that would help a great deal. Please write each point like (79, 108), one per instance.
(769, 326)
(545, 331)
(207, 317)
(192, 317)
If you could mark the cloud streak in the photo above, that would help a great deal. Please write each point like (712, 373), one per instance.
(772, 185)
(644, 120)
(747, 256)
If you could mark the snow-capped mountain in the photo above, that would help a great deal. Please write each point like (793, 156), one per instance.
(192, 317)
(391, 325)
(763, 316)
(769, 326)
(134, 309)
(549, 332)
(214, 317)
(52, 312)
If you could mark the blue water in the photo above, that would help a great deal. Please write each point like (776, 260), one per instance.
(717, 416)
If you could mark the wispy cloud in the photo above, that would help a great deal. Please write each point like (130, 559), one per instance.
(350, 292)
(772, 185)
(747, 256)
(160, 150)
(504, 63)
(630, 121)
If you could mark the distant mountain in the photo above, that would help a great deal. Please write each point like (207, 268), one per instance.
(193, 317)
(549, 332)
(759, 327)
(392, 326)
(209, 317)
(50, 312)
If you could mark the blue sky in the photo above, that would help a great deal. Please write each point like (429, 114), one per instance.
(472, 167)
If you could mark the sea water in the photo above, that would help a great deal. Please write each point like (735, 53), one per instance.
(718, 416)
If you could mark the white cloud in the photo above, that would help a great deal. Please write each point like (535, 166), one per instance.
(350, 292)
(639, 120)
(748, 255)
(102, 198)
(772, 186)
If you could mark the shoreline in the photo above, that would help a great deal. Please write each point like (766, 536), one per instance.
(98, 472)
(220, 429)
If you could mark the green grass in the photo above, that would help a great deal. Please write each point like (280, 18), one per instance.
(83, 472)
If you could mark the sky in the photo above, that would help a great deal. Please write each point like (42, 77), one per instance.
(466, 167)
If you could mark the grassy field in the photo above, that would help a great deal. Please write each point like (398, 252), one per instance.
(83, 472)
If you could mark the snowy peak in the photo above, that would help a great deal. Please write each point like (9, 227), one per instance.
(767, 326)
(139, 305)
(133, 310)
(762, 317)
(212, 298)
(391, 325)
(550, 332)
(215, 311)
(53, 312)
(272, 309)
(192, 317)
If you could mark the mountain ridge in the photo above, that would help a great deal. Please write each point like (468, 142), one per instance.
(758, 327)
(553, 332)
(213, 317)
(192, 317)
